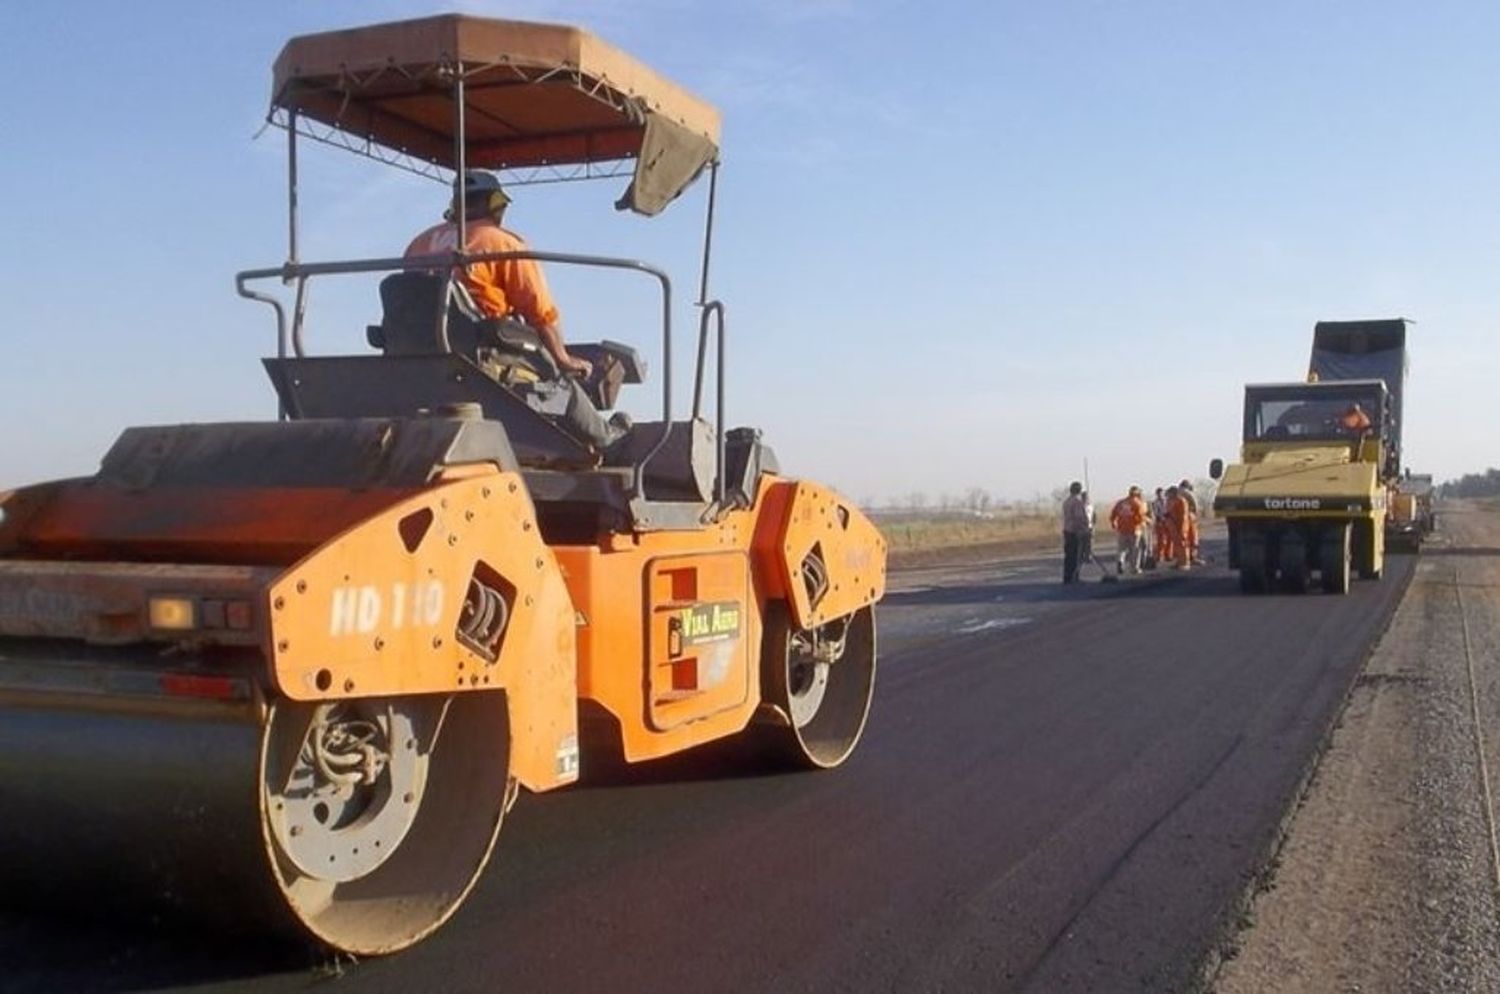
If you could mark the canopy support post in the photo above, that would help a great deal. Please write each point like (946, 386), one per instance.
(291, 191)
(708, 231)
(291, 236)
(709, 309)
(460, 215)
(460, 158)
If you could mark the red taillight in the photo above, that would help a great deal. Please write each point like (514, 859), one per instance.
(239, 615)
(232, 615)
(193, 685)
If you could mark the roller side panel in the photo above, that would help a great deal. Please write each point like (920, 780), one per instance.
(828, 558)
(382, 609)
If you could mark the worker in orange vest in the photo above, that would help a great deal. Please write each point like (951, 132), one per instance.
(1355, 421)
(1128, 518)
(1185, 489)
(1177, 528)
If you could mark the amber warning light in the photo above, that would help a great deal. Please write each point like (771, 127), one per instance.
(172, 613)
(182, 614)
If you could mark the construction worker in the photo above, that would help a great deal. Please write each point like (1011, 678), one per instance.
(1177, 535)
(507, 288)
(1162, 549)
(1144, 534)
(1075, 528)
(1354, 421)
(514, 290)
(1128, 518)
(1185, 490)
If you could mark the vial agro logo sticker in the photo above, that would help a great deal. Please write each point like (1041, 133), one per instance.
(703, 623)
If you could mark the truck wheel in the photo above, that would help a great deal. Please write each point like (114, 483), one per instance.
(1257, 568)
(1334, 560)
(1294, 565)
(822, 681)
(1364, 552)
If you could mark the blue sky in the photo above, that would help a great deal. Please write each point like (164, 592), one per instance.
(960, 244)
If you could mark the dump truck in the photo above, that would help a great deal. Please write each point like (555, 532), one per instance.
(289, 675)
(1367, 350)
(1345, 350)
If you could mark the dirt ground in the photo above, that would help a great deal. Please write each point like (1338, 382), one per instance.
(1389, 878)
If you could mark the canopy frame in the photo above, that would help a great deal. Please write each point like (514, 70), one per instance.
(453, 76)
(446, 74)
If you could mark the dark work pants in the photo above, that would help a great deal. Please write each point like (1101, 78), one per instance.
(1072, 546)
(582, 420)
(567, 404)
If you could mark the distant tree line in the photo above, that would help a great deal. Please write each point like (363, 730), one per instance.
(974, 502)
(979, 502)
(1486, 484)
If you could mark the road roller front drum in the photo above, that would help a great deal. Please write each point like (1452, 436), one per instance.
(822, 680)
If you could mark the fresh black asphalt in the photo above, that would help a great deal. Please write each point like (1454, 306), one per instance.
(1060, 789)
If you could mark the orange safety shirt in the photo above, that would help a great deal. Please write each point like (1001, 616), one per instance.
(502, 288)
(1355, 419)
(1177, 514)
(1128, 515)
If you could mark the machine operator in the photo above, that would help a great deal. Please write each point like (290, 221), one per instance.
(1354, 420)
(514, 290)
(505, 288)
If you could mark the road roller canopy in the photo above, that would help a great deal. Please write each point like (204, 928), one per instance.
(541, 102)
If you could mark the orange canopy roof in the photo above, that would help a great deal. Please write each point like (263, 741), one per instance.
(535, 95)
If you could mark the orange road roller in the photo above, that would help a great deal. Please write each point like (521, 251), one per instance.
(289, 675)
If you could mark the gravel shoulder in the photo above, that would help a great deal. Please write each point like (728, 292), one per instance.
(1387, 878)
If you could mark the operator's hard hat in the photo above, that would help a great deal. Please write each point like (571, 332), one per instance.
(483, 192)
(477, 181)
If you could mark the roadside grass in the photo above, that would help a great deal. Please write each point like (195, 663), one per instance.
(923, 534)
(917, 535)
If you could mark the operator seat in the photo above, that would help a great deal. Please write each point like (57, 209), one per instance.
(411, 302)
(509, 352)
